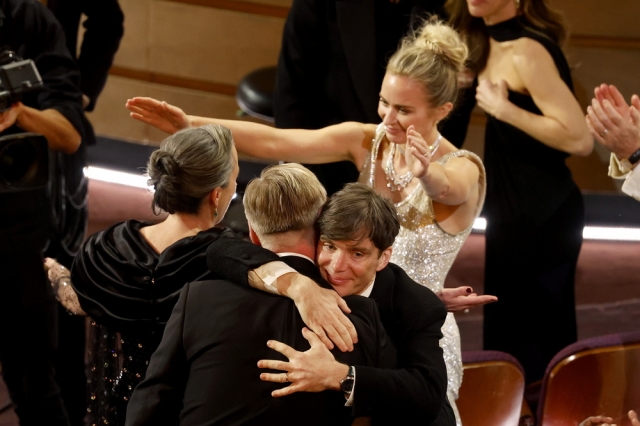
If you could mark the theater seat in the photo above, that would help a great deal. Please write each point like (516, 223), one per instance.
(492, 389)
(600, 375)
(255, 93)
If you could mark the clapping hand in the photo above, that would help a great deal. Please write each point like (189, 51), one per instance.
(608, 421)
(613, 123)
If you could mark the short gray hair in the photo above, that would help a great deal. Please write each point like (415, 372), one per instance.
(286, 197)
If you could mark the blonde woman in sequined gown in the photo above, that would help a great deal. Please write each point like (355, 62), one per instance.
(438, 189)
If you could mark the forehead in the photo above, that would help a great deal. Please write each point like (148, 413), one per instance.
(362, 244)
(402, 90)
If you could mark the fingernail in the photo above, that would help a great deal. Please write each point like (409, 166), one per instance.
(469, 290)
(270, 343)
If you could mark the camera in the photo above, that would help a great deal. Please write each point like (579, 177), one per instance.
(24, 157)
(17, 77)
(24, 162)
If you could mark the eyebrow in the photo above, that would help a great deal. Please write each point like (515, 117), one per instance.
(397, 106)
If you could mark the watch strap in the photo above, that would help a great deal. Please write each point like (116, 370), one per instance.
(635, 157)
(346, 384)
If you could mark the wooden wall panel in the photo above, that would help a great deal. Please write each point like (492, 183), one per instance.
(211, 44)
(612, 18)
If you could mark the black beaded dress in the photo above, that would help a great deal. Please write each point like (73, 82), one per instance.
(129, 291)
(535, 219)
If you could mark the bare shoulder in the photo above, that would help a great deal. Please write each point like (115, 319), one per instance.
(458, 162)
(528, 52)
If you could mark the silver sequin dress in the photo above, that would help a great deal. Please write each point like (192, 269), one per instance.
(426, 252)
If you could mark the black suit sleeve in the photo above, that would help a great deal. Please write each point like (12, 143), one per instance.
(158, 399)
(374, 344)
(232, 258)
(301, 69)
(417, 389)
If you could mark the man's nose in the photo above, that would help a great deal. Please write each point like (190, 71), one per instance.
(338, 262)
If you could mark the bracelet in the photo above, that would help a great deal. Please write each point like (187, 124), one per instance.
(635, 157)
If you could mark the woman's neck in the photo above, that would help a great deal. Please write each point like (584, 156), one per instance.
(174, 228)
(501, 15)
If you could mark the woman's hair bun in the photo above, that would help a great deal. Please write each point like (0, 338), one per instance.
(444, 41)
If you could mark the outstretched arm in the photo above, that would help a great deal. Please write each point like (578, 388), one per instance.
(342, 142)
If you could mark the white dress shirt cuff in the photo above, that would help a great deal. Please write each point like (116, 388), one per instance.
(270, 272)
(631, 185)
(619, 170)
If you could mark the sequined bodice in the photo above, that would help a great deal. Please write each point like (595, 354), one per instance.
(426, 252)
(423, 249)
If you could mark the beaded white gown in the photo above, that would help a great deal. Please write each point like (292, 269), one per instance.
(426, 252)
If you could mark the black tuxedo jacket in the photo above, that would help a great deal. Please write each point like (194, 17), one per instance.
(412, 316)
(205, 369)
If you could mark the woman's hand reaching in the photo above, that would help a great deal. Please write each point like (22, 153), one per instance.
(159, 114)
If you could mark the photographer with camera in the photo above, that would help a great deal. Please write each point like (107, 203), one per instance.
(42, 198)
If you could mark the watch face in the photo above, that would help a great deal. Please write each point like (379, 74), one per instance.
(347, 385)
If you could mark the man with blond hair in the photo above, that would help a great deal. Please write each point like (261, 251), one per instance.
(205, 369)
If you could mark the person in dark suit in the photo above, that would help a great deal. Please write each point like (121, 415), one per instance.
(103, 30)
(357, 228)
(205, 369)
(331, 65)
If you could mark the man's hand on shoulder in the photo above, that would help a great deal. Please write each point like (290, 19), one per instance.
(322, 310)
(314, 370)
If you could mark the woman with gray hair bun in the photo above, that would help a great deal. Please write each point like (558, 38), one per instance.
(127, 278)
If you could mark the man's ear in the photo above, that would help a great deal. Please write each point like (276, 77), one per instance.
(253, 236)
(383, 260)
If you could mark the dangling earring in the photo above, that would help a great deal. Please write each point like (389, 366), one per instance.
(517, 4)
(215, 213)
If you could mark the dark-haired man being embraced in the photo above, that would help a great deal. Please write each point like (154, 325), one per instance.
(357, 228)
(205, 370)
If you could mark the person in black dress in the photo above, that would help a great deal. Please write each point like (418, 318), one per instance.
(128, 277)
(534, 210)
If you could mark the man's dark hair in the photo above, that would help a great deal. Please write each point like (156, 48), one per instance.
(358, 212)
